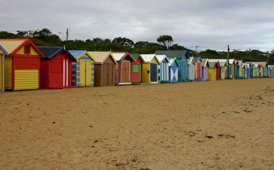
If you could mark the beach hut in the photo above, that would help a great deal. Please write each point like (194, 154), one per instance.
(182, 59)
(246, 68)
(3, 52)
(22, 64)
(55, 68)
(149, 68)
(173, 70)
(198, 68)
(82, 69)
(205, 69)
(137, 69)
(124, 70)
(191, 73)
(258, 68)
(105, 68)
(271, 71)
(231, 69)
(223, 68)
(212, 69)
(163, 76)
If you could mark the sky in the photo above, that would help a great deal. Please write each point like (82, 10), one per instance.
(209, 24)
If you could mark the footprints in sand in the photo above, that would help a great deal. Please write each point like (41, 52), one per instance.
(201, 136)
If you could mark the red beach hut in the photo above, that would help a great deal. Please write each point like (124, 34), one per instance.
(56, 68)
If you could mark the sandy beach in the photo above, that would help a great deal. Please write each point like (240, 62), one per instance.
(200, 125)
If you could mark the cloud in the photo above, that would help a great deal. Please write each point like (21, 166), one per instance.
(206, 23)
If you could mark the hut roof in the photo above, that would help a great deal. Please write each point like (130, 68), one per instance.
(191, 60)
(121, 55)
(173, 53)
(257, 63)
(172, 61)
(161, 58)
(14, 44)
(135, 55)
(204, 62)
(79, 53)
(147, 58)
(3, 50)
(101, 56)
(51, 52)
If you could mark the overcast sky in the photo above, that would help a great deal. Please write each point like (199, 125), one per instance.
(210, 24)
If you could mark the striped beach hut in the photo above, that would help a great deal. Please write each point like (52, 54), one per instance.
(246, 68)
(231, 69)
(137, 68)
(205, 69)
(124, 70)
(22, 64)
(163, 76)
(82, 69)
(55, 68)
(149, 68)
(3, 52)
(191, 72)
(173, 70)
(182, 58)
(198, 68)
(105, 68)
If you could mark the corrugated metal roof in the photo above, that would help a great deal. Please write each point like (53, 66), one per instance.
(100, 56)
(11, 44)
(161, 58)
(173, 53)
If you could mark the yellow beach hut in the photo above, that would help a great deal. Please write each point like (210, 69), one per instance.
(150, 68)
(22, 64)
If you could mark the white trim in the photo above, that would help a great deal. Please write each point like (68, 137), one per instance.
(3, 73)
(64, 73)
(67, 73)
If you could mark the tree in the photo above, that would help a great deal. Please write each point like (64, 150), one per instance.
(165, 40)
(123, 41)
(4, 34)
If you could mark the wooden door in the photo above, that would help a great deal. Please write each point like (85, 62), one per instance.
(125, 72)
(88, 73)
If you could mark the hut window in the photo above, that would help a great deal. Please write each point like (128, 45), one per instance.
(27, 49)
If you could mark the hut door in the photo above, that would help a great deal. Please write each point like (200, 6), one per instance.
(108, 76)
(153, 72)
(125, 72)
(85, 73)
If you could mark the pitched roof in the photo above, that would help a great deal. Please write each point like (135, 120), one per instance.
(257, 63)
(14, 44)
(172, 61)
(204, 62)
(11, 45)
(51, 52)
(101, 56)
(161, 58)
(190, 60)
(173, 53)
(147, 58)
(122, 55)
(3, 50)
(135, 55)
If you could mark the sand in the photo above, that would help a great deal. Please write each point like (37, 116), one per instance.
(200, 125)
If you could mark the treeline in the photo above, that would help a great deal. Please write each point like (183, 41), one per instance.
(164, 42)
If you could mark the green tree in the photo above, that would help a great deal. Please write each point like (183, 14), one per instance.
(123, 41)
(165, 40)
(5, 34)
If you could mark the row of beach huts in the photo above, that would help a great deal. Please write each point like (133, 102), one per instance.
(25, 66)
